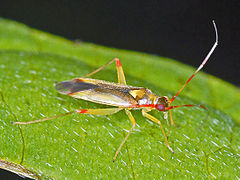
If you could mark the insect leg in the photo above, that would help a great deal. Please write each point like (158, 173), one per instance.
(172, 122)
(121, 77)
(106, 111)
(125, 139)
(171, 117)
(86, 111)
(152, 118)
(166, 118)
(45, 119)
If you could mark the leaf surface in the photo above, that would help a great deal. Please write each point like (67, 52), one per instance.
(77, 146)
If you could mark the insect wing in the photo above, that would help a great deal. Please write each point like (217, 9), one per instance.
(97, 91)
(74, 86)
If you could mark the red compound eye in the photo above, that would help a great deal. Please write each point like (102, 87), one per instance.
(160, 107)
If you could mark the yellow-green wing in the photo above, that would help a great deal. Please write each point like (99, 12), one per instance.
(99, 91)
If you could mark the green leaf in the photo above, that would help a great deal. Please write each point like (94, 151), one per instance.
(78, 146)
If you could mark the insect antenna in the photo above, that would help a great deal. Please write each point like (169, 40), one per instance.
(186, 105)
(201, 65)
(46, 119)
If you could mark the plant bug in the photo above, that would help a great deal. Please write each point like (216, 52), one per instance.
(122, 96)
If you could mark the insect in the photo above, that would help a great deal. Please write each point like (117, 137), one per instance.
(122, 97)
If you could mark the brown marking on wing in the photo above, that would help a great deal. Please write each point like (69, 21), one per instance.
(73, 86)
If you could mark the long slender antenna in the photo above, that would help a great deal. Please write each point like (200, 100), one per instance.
(186, 105)
(201, 65)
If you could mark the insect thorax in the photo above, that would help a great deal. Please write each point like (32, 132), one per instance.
(144, 96)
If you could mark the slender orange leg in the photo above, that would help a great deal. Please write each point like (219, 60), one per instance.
(166, 118)
(152, 118)
(171, 117)
(106, 111)
(125, 139)
(121, 76)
